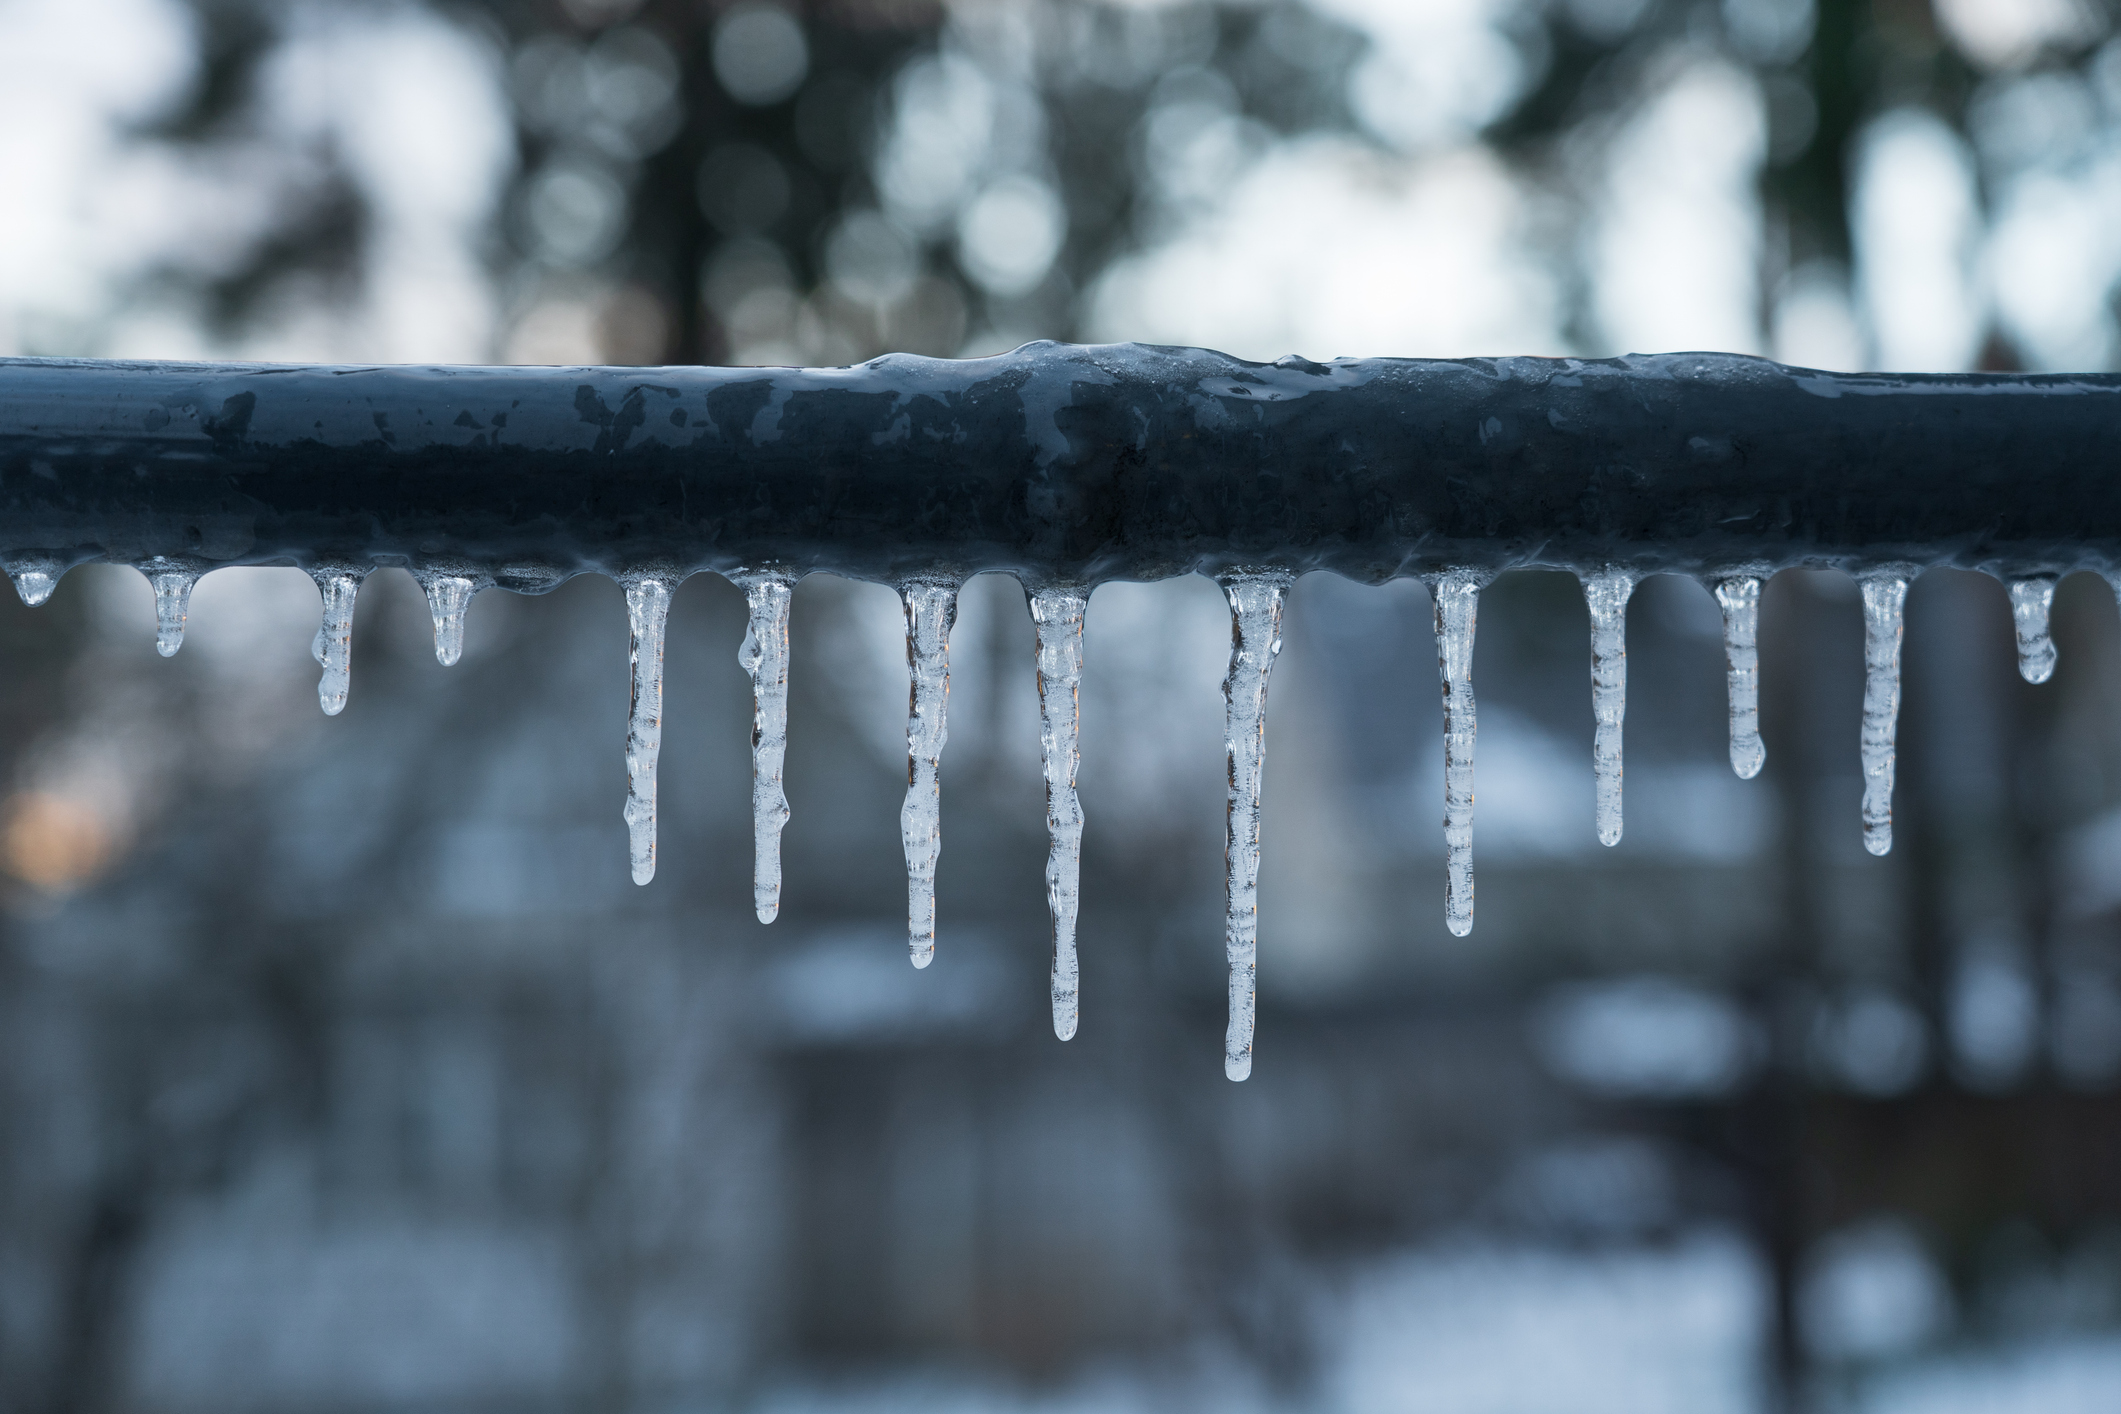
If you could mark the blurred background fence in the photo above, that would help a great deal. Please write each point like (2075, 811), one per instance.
(342, 1069)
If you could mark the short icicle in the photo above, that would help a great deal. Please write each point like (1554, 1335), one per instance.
(1255, 639)
(35, 585)
(1058, 616)
(172, 607)
(448, 596)
(333, 648)
(931, 609)
(1739, 598)
(1884, 596)
(647, 610)
(1456, 596)
(2031, 598)
(1607, 595)
(765, 657)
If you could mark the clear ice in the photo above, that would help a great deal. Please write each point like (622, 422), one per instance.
(1607, 595)
(931, 609)
(1739, 598)
(765, 657)
(35, 585)
(1456, 596)
(1255, 639)
(2031, 599)
(1884, 596)
(448, 596)
(1058, 616)
(333, 648)
(647, 610)
(172, 607)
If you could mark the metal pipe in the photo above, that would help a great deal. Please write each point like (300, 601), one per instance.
(1064, 464)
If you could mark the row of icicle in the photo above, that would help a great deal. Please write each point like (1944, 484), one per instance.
(1057, 614)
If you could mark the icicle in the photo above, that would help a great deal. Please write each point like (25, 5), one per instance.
(1255, 639)
(1739, 598)
(1456, 596)
(333, 648)
(172, 607)
(1607, 594)
(1058, 615)
(2030, 600)
(448, 596)
(765, 657)
(1884, 595)
(931, 609)
(35, 584)
(647, 610)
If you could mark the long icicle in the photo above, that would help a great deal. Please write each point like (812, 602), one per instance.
(172, 607)
(2031, 599)
(1607, 595)
(931, 609)
(765, 657)
(647, 611)
(333, 646)
(448, 596)
(1739, 598)
(1058, 617)
(1884, 596)
(1255, 640)
(1456, 596)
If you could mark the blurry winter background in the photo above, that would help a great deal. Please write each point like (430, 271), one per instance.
(342, 1069)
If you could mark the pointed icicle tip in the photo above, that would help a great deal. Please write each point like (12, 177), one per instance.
(1739, 599)
(172, 607)
(448, 596)
(2031, 599)
(931, 611)
(1884, 598)
(1255, 642)
(647, 611)
(1607, 593)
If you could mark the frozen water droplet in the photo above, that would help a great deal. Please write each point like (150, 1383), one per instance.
(172, 607)
(647, 610)
(1739, 598)
(1607, 595)
(1456, 596)
(35, 585)
(1255, 641)
(2031, 598)
(1884, 596)
(765, 657)
(333, 647)
(931, 609)
(1058, 617)
(448, 596)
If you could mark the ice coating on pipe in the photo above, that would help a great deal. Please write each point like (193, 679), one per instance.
(1739, 598)
(764, 656)
(448, 596)
(1057, 614)
(1455, 595)
(333, 646)
(2031, 599)
(1884, 597)
(931, 609)
(172, 607)
(1607, 594)
(647, 611)
(1255, 640)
